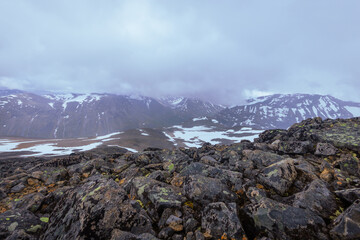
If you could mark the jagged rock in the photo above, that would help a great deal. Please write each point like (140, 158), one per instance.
(349, 164)
(325, 149)
(209, 160)
(159, 194)
(279, 221)
(219, 219)
(166, 233)
(147, 236)
(53, 175)
(2, 194)
(194, 194)
(347, 225)
(93, 210)
(296, 147)
(262, 159)
(317, 198)
(13, 221)
(117, 234)
(191, 224)
(51, 200)
(204, 190)
(20, 235)
(18, 188)
(31, 202)
(279, 176)
(349, 195)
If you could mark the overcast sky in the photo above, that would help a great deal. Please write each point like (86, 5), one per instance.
(222, 51)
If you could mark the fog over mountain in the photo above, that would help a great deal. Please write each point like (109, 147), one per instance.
(220, 52)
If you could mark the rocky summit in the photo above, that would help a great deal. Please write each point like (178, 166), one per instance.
(300, 183)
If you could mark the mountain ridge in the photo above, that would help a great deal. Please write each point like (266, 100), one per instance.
(76, 115)
(283, 110)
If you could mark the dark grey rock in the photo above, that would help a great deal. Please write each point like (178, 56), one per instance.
(218, 219)
(281, 221)
(325, 149)
(205, 190)
(349, 195)
(279, 176)
(317, 198)
(347, 225)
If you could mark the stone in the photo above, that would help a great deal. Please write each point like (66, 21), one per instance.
(317, 198)
(18, 188)
(93, 210)
(175, 223)
(19, 219)
(279, 176)
(31, 202)
(281, 221)
(204, 190)
(347, 224)
(117, 234)
(262, 159)
(349, 195)
(296, 147)
(217, 219)
(325, 149)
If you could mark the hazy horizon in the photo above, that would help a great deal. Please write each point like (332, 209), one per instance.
(223, 53)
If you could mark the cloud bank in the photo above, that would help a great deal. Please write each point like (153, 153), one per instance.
(221, 52)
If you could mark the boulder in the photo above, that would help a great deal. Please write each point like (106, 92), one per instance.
(296, 147)
(93, 210)
(13, 221)
(31, 202)
(157, 194)
(325, 149)
(219, 219)
(349, 195)
(317, 198)
(279, 176)
(204, 190)
(280, 221)
(347, 225)
(262, 159)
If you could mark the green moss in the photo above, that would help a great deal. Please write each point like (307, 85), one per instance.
(12, 226)
(17, 200)
(34, 228)
(140, 202)
(272, 172)
(44, 219)
(171, 167)
(141, 190)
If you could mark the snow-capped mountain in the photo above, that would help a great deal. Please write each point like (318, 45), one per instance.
(78, 115)
(191, 107)
(73, 115)
(281, 111)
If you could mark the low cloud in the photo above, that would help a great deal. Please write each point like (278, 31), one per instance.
(220, 52)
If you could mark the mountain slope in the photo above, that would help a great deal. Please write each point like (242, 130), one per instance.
(78, 115)
(281, 111)
(82, 115)
(188, 108)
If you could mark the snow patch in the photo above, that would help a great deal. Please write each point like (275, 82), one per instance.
(355, 111)
(197, 135)
(199, 119)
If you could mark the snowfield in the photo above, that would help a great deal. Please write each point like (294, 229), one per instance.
(197, 135)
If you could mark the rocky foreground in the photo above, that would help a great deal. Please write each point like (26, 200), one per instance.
(300, 183)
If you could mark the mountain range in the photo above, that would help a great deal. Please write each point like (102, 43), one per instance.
(283, 110)
(30, 115)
